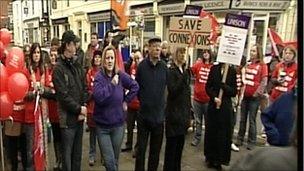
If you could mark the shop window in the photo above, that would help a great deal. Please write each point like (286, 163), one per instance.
(101, 30)
(56, 31)
(93, 27)
(149, 26)
(67, 27)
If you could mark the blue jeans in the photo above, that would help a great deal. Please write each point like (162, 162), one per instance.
(249, 106)
(110, 140)
(92, 150)
(28, 130)
(200, 111)
(72, 147)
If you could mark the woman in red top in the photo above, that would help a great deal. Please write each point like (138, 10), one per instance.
(36, 79)
(255, 81)
(96, 63)
(200, 70)
(16, 139)
(285, 73)
(50, 94)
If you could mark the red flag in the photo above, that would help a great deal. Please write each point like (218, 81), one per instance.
(292, 43)
(119, 61)
(275, 40)
(118, 11)
(214, 24)
(39, 153)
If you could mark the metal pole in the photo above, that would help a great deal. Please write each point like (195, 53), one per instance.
(130, 40)
(249, 36)
(265, 33)
(1, 146)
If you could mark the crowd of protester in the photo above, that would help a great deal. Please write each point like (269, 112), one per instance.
(153, 91)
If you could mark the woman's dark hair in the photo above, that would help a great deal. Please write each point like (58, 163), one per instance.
(210, 54)
(97, 52)
(40, 64)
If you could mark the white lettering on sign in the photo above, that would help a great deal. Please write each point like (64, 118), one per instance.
(213, 4)
(236, 22)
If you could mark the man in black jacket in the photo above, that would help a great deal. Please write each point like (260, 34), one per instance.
(152, 79)
(71, 90)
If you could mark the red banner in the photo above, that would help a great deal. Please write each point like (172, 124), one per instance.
(39, 153)
(214, 24)
(119, 17)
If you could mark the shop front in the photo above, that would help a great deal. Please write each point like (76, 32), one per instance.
(143, 15)
(99, 23)
(59, 26)
(265, 14)
(31, 31)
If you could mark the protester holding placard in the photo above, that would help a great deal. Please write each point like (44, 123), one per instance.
(255, 82)
(200, 70)
(218, 121)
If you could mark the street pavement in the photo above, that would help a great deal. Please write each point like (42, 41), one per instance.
(192, 159)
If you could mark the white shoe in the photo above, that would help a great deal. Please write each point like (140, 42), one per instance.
(234, 148)
(263, 135)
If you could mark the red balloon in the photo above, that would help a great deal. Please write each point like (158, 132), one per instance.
(6, 105)
(3, 78)
(5, 36)
(14, 61)
(2, 48)
(18, 86)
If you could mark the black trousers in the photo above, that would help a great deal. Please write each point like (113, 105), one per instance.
(173, 153)
(57, 142)
(155, 132)
(131, 118)
(14, 144)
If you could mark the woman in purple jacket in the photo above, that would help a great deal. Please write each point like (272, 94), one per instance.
(110, 104)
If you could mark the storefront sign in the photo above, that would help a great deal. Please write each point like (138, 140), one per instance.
(260, 4)
(171, 8)
(60, 21)
(213, 4)
(144, 11)
(192, 10)
(233, 39)
(99, 16)
(190, 32)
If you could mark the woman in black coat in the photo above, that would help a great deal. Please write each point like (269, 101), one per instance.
(177, 111)
(219, 121)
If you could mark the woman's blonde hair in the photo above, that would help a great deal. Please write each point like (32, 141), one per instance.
(177, 52)
(103, 58)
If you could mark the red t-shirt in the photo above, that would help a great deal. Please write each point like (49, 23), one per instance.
(291, 76)
(90, 82)
(134, 104)
(30, 105)
(255, 72)
(52, 104)
(201, 71)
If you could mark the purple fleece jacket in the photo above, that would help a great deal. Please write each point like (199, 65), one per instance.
(108, 110)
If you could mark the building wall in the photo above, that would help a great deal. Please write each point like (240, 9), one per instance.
(18, 23)
(4, 20)
(287, 24)
(77, 11)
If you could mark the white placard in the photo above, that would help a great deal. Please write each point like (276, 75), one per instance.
(232, 45)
